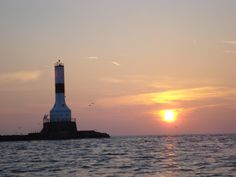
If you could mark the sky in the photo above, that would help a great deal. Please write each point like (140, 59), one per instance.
(132, 58)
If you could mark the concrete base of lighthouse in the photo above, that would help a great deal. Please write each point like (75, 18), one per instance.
(59, 130)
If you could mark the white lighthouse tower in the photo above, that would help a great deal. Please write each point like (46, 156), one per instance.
(60, 111)
(61, 125)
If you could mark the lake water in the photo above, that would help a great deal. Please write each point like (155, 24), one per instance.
(195, 155)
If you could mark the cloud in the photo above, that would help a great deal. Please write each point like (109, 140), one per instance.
(230, 51)
(229, 42)
(111, 80)
(93, 57)
(171, 97)
(115, 63)
(20, 76)
(96, 58)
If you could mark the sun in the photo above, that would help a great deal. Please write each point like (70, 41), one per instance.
(168, 115)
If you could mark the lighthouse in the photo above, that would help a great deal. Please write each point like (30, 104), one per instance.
(60, 111)
(59, 125)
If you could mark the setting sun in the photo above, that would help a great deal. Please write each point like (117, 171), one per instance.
(168, 116)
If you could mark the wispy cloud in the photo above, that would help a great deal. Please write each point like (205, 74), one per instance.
(171, 97)
(115, 63)
(93, 57)
(230, 51)
(110, 80)
(20, 76)
(102, 59)
(229, 42)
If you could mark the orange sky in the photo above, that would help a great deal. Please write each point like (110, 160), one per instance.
(132, 58)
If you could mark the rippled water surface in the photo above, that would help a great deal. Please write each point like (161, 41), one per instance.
(198, 155)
